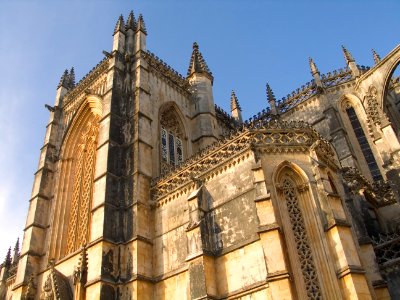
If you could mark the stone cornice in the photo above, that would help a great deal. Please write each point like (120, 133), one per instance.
(272, 137)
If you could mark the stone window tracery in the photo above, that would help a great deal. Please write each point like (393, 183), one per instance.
(172, 150)
(301, 240)
(82, 189)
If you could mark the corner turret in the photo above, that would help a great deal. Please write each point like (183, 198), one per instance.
(130, 29)
(201, 80)
(141, 33)
(119, 35)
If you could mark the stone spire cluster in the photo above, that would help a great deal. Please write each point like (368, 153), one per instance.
(67, 79)
(197, 63)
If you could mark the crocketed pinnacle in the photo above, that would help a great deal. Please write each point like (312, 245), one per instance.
(376, 56)
(197, 63)
(7, 261)
(16, 247)
(234, 102)
(270, 94)
(71, 77)
(313, 66)
(63, 80)
(347, 55)
(131, 22)
(140, 24)
(120, 26)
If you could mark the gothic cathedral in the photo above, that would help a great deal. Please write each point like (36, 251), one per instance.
(148, 190)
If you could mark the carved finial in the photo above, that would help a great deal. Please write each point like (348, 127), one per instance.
(270, 94)
(31, 289)
(140, 24)
(376, 56)
(80, 274)
(120, 26)
(63, 80)
(313, 66)
(131, 22)
(197, 63)
(234, 102)
(347, 55)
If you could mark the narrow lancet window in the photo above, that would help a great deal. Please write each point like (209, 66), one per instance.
(364, 145)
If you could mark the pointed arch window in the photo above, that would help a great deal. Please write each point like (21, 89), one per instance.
(363, 142)
(70, 225)
(172, 149)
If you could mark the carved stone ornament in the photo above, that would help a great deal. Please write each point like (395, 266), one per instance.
(378, 193)
(169, 120)
(30, 289)
(374, 113)
(56, 286)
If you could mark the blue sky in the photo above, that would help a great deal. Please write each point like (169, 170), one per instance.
(245, 43)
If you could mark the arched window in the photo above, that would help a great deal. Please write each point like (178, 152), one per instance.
(363, 142)
(74, 186)
(172, 150)
(78, 227)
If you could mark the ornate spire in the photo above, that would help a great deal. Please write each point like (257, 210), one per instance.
(313, 66)
(347, 55)
(131, 22)
(197, 63)
(120, 26)
(376, 56)
(234, 102)
(63, 80)
(140, 24)
(270, 94)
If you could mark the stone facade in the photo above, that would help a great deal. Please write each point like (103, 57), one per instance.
(147, 190)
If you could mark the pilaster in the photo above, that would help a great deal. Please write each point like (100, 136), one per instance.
(273, 245)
